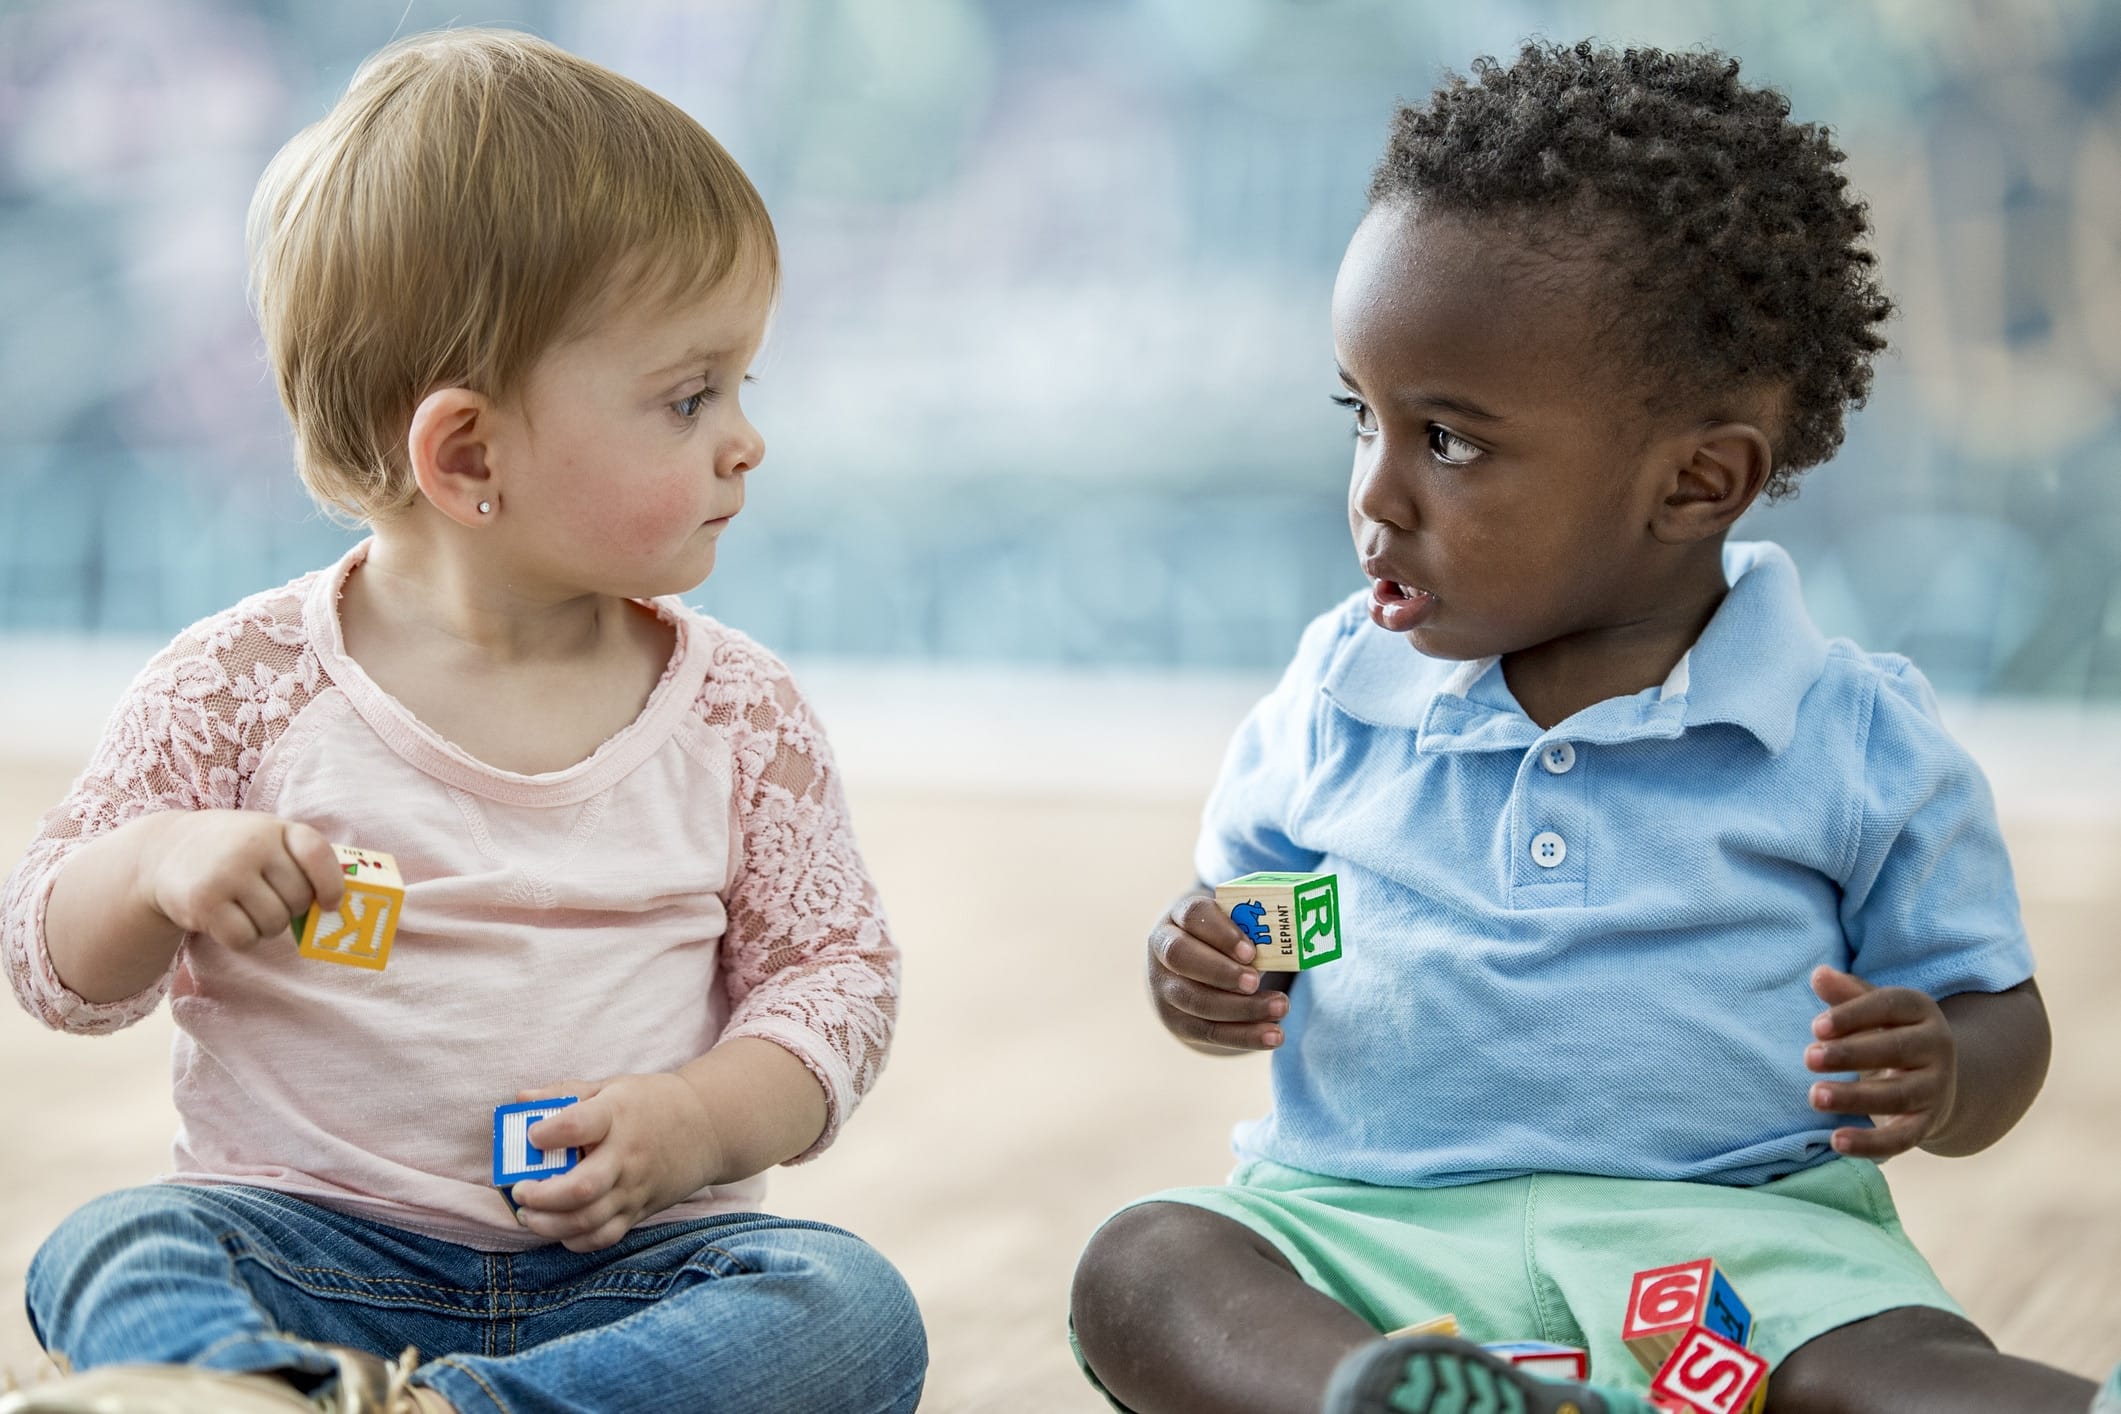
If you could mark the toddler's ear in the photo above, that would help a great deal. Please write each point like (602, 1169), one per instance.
(447, 446)
(1715, 476)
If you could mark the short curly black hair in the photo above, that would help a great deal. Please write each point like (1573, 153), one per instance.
(1737, 246)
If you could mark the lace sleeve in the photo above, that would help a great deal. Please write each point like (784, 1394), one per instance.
(186, 736)
(807, 961)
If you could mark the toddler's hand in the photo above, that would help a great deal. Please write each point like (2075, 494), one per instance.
(237, 876)
(1204, 992)
(647, 1143)
(1899, 1042)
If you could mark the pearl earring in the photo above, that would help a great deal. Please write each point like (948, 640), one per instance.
(485, 506)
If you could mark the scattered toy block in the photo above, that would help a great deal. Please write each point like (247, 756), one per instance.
(359, 931)
(1664, 1302)
(1544, 1358)
(1292, 919)
(1445, 1324)
(514, 1157)
(1708, 1374)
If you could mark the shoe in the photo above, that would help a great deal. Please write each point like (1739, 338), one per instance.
(1428, 1374)
(365, 1385)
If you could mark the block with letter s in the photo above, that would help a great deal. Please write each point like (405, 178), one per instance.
(1711, 1375)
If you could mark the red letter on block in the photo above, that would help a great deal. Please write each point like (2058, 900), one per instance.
(1664, 1301)
(1709, 1374)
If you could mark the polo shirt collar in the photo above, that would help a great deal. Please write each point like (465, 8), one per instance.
(1751, 668)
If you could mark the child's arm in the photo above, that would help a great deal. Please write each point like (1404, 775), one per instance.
(1201, 981)
(1929, 910)
(738, 1110)
(2003, 1047)
(145, 845)
(812, 979)
(1951, 1076)
(124, 901)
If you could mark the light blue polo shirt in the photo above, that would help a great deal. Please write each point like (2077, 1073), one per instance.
(1588, 950)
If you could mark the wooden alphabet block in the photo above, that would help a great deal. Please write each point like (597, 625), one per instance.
(359, 931)
(1292, 919)
(1445, 1324)
(1707, 1374)
(1665, 1302)
(1544, 1358)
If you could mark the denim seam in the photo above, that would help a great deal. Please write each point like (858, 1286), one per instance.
(229, 1238)
(489, 1324)
(453, 1363)
(240, 1249)
(740, 1268)
(243, 1337)
(515, 1335)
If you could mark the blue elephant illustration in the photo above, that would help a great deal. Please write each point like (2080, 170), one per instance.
(1252, 917)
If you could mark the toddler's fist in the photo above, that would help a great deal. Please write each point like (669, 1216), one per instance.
(238, 876)
(1201, 982)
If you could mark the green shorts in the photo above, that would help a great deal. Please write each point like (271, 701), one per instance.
(1550, 1257)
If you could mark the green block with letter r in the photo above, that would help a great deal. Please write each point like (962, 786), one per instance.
(1293, 920)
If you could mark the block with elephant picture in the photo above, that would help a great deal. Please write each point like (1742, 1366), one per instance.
(1292, 919)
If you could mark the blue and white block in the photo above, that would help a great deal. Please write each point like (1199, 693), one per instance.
(515, 1158)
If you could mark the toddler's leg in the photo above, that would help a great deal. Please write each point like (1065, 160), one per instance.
(141, 1277)
(1182, 1311)
(1919, 1360)
(747, 1314)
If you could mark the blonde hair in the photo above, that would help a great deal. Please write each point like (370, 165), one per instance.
(477, 196)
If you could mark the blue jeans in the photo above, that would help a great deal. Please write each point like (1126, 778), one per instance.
(742, 1312)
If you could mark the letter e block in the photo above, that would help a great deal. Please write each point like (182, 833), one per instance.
(359, 931)
(515, 1158)
(1292, 919)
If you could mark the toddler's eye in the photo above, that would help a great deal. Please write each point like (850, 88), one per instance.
(1364, 426)
(1450, 448)
(689, 408)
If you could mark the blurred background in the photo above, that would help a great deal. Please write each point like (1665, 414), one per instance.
(1053, 339)
(1054, 332)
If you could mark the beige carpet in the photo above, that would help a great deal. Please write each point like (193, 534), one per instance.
(1030, 1092)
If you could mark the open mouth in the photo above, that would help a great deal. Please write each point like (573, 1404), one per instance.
(1397, 607)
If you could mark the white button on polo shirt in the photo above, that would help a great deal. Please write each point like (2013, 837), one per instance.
(1558, 758)
(1549, 849)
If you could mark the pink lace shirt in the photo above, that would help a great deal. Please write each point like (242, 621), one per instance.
(693, 880)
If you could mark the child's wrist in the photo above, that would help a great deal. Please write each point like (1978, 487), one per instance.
(148, 841)
(703, 1139)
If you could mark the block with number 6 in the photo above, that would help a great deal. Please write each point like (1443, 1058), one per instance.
(1292, 919)
(1665, 1302)
(359, 931)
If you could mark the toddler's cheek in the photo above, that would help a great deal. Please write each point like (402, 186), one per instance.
(646, 523)
(673, 506)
